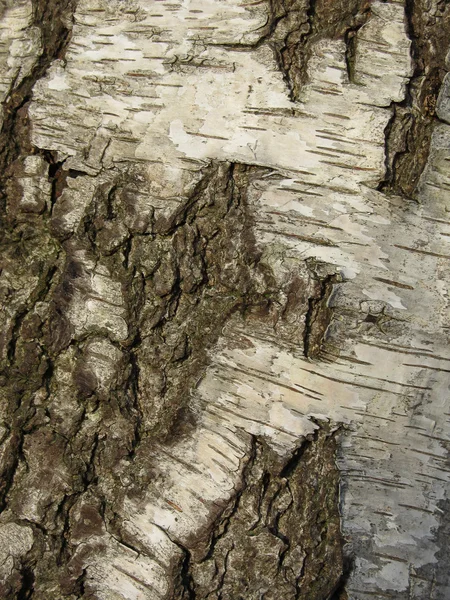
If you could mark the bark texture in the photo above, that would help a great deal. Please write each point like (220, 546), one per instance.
(224, 285)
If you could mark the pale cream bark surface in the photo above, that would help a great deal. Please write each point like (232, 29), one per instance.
(147, 97)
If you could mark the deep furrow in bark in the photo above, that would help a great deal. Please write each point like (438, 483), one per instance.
(408, 134)
(266, 560)
(52, 18)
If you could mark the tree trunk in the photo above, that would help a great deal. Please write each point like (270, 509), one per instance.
(224, 268)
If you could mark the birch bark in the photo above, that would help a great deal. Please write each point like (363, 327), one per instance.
(225, 265)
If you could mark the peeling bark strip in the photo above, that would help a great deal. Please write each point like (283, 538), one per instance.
(224, 340)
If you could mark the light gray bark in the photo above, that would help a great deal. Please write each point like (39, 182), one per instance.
(225, 267)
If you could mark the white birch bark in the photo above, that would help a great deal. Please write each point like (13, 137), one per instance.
(148, 96)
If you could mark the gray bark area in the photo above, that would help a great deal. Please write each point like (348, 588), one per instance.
(224, 327)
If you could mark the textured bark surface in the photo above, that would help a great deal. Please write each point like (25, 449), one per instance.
(224, 327)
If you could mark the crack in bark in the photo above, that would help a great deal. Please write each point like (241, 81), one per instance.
(51, 17)
(268, 556)
(350, 36)
(293, 26)
(339, 592)
(26, 591)
(319, 315)
(222, 527)
(186, 579)
(408, 133)
(305, 26)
